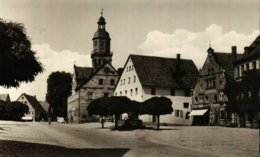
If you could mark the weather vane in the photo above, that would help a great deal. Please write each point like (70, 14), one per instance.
(101, 11)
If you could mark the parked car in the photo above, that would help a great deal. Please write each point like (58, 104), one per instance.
(27, 118)
(61, 120)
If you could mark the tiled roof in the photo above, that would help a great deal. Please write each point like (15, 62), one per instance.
(89, 74)
(253, 52)
(225, 60)
(82, 73)
(45, 105)
(162, 72)
(254, 43)
(34, 102)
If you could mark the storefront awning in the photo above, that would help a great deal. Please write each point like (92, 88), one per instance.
(198, 112)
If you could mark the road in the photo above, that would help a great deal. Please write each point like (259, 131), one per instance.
(170, 141)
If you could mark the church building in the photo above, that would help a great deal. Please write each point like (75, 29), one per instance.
(93, 82)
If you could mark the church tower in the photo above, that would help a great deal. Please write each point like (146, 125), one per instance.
(101, 44)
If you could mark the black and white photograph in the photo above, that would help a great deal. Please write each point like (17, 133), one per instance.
(129, 78)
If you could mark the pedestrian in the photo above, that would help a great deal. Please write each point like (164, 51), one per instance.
(49, 120)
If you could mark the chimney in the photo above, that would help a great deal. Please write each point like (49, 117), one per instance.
(234, 52)
(178, 64)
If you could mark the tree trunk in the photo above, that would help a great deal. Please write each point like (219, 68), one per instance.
(116, 121)
(102, 121)
(158, 122)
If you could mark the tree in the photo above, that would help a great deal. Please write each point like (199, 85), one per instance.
(157, 106)
(98, 107)
(2, 108)
(15, 110)
(17, 61)
(117, 105)
(134, 110)
(58, 90)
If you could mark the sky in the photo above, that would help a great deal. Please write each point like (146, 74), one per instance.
(61, 31)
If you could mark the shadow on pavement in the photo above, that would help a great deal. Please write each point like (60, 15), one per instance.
(144, 128)
(25, 149)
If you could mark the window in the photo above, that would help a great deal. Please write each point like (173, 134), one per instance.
(123, 81)
(172, 92)
(125, 92)
(115, 94)
(106, 95)
(120, 93)
(177, 113)
(112, 82)
(196, 99)
(90, 95)
(185, 105)
(129, 80)
(254, 65)
(101, 82)
(247, 66)
(134, 78)
(213, 84)
(222, 114)
(136, 91)
(181, 114)
(201, 99)
(131, 92)
(153, 91)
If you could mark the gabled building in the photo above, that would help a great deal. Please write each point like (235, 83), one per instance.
(93, 82)
(145, 76)
(5, 98)
(210, 96)
(247, 76)
(36, 111)
(45, 105)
